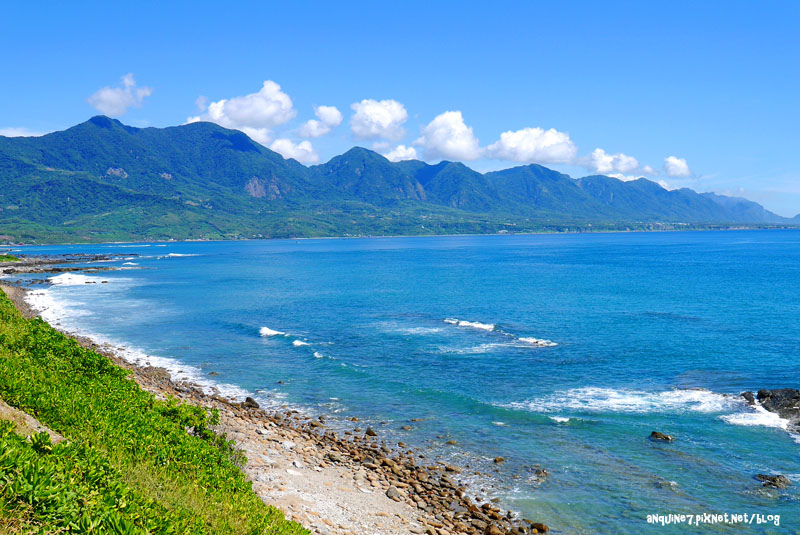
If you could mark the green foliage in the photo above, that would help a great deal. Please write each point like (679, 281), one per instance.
(8, 258)
(104, 181)
(130, 464)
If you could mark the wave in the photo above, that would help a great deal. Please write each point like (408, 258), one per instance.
(266, 331)
(62, 312)
(73, 279)
(419, 330)
(538, 342)
(130, 264)
(756, 415)
(298, 343)
(470, 324)
(592, 399)
(176, 255)
(491, 327)
(560, 419)
(474, 350)
(318, 355)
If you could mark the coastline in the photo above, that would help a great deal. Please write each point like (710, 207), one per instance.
(332, 482)
(721, 228)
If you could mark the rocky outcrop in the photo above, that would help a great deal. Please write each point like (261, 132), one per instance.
(785, 402)
(774, 482)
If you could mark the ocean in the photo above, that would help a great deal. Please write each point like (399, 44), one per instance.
(559, 352)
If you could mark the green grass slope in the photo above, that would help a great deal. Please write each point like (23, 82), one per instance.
(130, 463)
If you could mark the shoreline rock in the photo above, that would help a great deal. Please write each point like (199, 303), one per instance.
(344, 484)
(785, 402)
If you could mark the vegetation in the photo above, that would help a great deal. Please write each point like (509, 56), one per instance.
(8, 258)
(102, 181)
(130, 463)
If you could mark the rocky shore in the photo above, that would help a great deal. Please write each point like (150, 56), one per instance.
(36, 265)
(334, 482)
(785, 402)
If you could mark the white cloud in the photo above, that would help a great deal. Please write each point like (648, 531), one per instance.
(605, 163)
(401, 152)
(534, 145)
(19, 132)
(329, 117)
(624, 178)
(254, 114)
(115, 101)
(447, 136)
(302, 152)
(378, 119)
(261, 135)
(676, 167)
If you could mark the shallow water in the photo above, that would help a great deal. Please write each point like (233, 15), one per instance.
(652, 331)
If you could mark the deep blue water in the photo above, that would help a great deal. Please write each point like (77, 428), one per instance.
(654, 331)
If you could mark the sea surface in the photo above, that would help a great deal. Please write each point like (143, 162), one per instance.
(554, 351)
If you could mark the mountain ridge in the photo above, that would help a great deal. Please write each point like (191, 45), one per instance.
(104, 180)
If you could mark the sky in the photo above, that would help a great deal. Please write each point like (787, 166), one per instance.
(703, 95)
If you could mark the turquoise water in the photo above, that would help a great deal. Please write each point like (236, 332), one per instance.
(654, 331)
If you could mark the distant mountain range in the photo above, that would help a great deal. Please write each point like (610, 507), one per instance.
(102, 180)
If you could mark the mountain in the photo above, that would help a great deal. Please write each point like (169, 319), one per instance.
(102, 180)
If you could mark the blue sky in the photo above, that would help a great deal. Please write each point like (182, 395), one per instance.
(698, 94)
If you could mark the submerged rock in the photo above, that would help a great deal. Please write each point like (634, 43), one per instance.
(658, 436)
(775, 482)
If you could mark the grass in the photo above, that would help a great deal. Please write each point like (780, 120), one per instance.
(8, 258)
(130, 463)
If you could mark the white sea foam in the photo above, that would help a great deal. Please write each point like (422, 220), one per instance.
(129, 258)
(593, 399)
(560, 419)
(318, 355)
(130, 264)
(419, 330)
(538, 342)
(474, 350)
(266, 331)
(73, 279)
(470, 324)
(176, 255)
(499, 424)
(58, 310)
(298, 343)
(756, 415)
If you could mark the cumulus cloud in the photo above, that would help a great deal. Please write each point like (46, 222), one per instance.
(329, 118)
(115, 101)
(19, 132)
(401, 152)
(447, 136)
(375, 119)
(619, 165)
(254, 114)
(302, 152)
(676, 167)
(605, 163)
(534, 145)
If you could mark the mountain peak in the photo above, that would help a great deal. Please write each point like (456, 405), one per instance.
(104, 121)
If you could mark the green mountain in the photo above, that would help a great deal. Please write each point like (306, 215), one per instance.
(102, 180)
